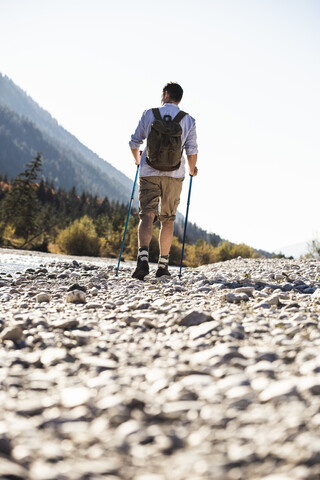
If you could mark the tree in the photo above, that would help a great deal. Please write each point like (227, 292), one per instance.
(20, 205)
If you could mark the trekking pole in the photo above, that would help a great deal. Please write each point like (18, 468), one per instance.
(125, 229)
(185, 225)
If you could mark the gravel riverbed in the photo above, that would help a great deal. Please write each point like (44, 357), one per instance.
(214, 376)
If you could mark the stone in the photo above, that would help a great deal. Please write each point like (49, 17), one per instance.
(316, 295)
(67, 324)
(161, 303)
(278, 389)
(52, 356)
(203, 329)
(74, 396)
(93, 305)
(309, 384)
(235, 297)
(247, 290)
(15, 334)
(195, 318)
(76, 296)
(9, 469)
(43, 297)
(76, 286)
(5, 445)
(269, 301)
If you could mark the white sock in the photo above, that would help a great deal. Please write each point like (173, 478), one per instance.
(143, 254)
(163, 261)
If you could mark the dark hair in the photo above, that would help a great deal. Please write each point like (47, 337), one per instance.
(174, 90)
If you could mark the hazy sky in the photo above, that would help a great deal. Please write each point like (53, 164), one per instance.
(250, 70)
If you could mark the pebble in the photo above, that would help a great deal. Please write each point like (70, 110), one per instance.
(202, 330)
(76, 296)
(194, 318)
(43, 298)
(214, 376)
(235, 297)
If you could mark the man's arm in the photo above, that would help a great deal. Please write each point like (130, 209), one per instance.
(136, 155)
(191, 148)
(192, 160)
(137, 139)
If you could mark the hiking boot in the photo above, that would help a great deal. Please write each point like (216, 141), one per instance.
(161, 272)
(142, 269)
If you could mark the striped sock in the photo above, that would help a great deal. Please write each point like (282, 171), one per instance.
(163, 261)
(143, 254)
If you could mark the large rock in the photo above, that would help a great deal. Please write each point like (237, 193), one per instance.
(12, 333)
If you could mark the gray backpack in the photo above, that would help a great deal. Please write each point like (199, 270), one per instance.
(164, 147)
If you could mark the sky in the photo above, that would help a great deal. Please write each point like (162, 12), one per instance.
(250, 70)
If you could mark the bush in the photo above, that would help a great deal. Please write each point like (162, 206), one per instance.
(80, 238)
(223, 251)
(244, 251)
(314, 249)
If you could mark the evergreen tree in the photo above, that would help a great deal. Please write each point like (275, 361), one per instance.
(20, 205)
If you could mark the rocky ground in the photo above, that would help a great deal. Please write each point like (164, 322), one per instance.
(214, 376)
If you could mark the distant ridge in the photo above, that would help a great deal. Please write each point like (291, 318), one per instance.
(26, 128)
(296, 250)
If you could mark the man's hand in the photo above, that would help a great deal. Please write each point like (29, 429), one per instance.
(194, 173)
(136, 155)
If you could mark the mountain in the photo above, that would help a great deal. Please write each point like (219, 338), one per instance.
(26, 128)
(296, 250)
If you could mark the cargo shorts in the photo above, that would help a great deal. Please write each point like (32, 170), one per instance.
(163, 189)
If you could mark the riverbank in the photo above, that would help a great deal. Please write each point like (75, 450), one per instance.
(214, 376)
(12, 261)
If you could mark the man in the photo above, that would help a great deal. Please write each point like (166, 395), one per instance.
(161, 185)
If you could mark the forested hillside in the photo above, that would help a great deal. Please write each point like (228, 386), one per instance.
(26, 128)
(20, 140)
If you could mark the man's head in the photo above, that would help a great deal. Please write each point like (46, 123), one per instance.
(171, 93)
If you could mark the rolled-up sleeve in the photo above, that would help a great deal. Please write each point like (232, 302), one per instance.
(191, 145)
(140, 134)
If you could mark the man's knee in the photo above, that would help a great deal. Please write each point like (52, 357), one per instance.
(167, 218)
(167, 225)
(148, 216)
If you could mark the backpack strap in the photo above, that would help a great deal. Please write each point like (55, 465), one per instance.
(179, 116)
(156, 113)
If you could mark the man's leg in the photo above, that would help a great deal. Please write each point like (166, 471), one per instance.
(144, 239)
(145, 229)
(149, 194)
(165, 238)
(170, 198)
(165, 241)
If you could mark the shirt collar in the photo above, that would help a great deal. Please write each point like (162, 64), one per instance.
(169, 104)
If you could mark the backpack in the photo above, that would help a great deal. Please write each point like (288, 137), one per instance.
(164, 147)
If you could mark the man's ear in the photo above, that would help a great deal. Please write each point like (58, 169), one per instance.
(166, 95)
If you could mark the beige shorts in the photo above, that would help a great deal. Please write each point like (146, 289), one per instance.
(165, 189)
